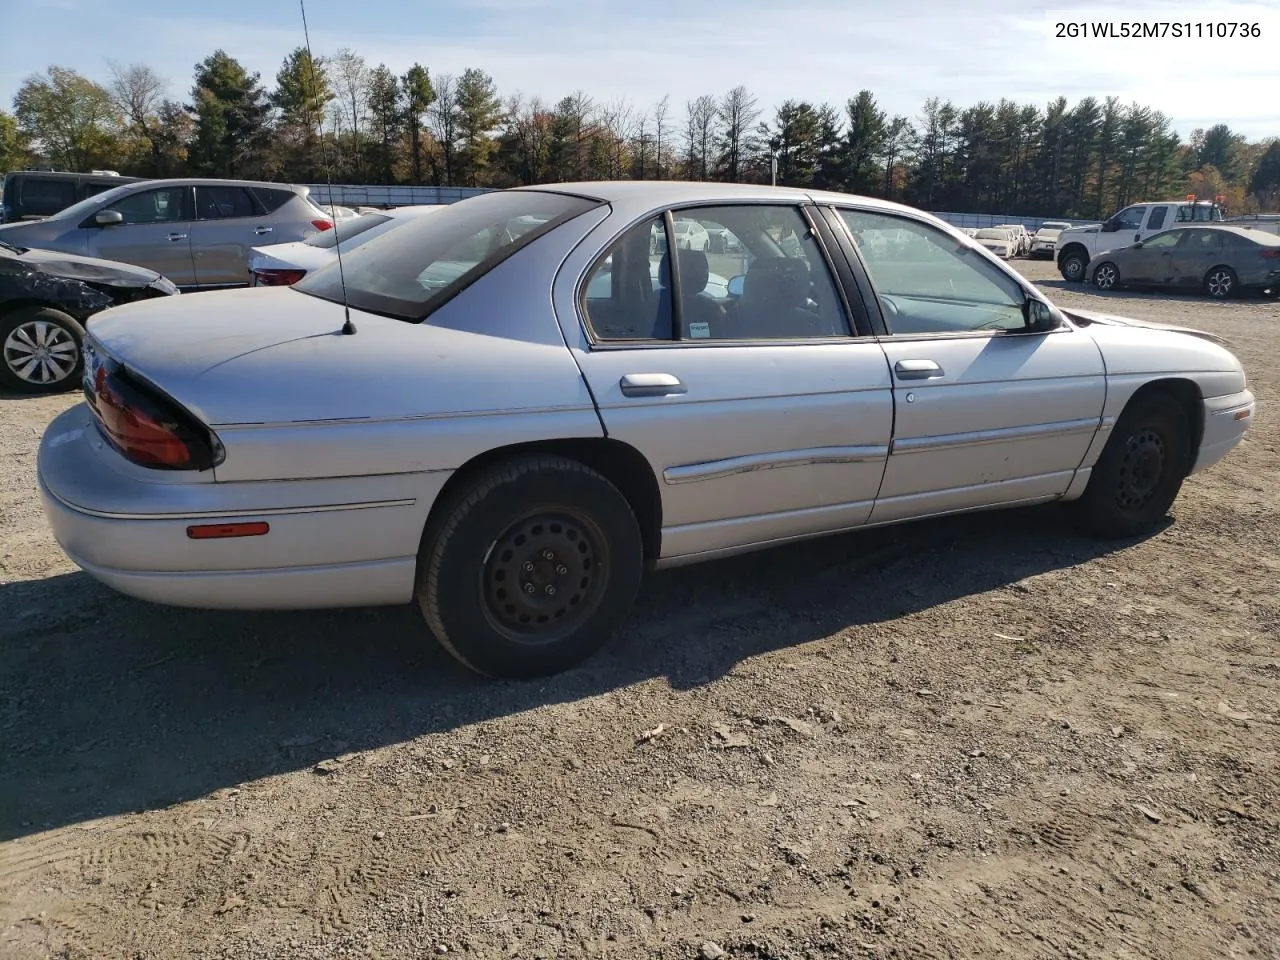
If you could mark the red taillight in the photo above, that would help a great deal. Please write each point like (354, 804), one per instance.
(322, 225)
(145, 427)
(1271, 254)
(278, 278)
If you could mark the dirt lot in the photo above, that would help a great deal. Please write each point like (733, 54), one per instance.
(974, 738)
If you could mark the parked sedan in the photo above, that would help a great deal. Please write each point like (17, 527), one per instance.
(999, 241)
(280, 264)
(46, 299)
(195, 232)
(512, 443)
(1221, 260)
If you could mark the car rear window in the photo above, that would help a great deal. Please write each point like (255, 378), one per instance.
(408, 272)
(345, 230)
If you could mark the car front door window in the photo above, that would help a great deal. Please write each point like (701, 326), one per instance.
(152, 206)
(933, 283)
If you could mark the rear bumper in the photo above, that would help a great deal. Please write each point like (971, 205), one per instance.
(331, 543)
(1225, 421)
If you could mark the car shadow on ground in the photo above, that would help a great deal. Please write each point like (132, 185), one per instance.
(1163, 294)
(111, 705)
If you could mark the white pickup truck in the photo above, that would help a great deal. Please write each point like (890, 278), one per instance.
(1078, 245)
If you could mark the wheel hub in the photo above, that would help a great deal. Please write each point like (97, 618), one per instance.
(40, 352)
(1141, 469)
(542, 575)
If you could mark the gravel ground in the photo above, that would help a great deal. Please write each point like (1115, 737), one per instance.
(980, 737)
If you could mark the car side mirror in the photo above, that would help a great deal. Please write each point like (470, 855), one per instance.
(1039, 316)
(737, 285)
(1138, 245)
(108, 218)
(1108, 227)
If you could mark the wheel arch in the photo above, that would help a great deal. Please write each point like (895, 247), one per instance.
(35, 303)
(1188, 395)
(1072, 247)
(621, 464)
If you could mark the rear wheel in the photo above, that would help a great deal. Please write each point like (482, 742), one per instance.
(1140, 471)
(1107, 276)
(1220, 283)
(531, 568)
(40, 350)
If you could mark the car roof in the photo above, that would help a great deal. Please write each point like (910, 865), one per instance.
(672, 192)
(213, 182)
(1262, 236)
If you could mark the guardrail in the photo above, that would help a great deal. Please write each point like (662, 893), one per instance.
(980, 220)
(371, 195)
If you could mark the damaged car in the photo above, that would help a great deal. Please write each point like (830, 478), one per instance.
(46, 299)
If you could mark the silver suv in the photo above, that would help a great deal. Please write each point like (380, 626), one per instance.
(198, 233)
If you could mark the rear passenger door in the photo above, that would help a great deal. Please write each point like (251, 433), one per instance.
(229, 221)
(1157, 220)
(763, 406)
(1195, 255)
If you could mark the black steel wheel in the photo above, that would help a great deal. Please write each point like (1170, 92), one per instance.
(529, 567)
(1140, 471)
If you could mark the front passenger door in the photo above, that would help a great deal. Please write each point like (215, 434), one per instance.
(985, 413)
(1153, 261)
(155, 233)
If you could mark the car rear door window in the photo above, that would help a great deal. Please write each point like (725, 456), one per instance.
(224, 203)
(1155, 221)
(42, 198)
(777, 286)
(272, 198)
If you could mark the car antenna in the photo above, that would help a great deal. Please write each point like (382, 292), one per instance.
(347, 326)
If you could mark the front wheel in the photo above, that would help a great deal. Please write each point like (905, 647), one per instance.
(1220, 283)
(1107, 276)
(1073, 265)
(1140, 471)
(531, 568)
(40, 350)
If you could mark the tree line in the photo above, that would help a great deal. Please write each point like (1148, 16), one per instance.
(339, 117)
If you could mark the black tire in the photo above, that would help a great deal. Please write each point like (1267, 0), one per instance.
(1106, 276)
(58, 360)
(1140, 471)
(540, 522)
(1072, 266)
(1221, 283)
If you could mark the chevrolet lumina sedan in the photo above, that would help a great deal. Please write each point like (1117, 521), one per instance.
(475, 423)
(998, 240)
(1219, 260)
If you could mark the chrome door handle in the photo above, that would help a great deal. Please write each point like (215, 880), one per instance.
(177, 236)
(651, 385)
(917, 370)
(261, 230)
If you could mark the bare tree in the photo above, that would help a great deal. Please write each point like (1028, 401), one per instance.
(138, 92)
(700, 129)
(351, 84)
(660, 126)
(616, 122)
(737, 113)
(443, 119)
(529, 127)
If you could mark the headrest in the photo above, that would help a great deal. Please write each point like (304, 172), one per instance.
(777, 273)
(694, 271)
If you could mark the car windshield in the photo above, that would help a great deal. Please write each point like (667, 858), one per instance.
(78, 211)
(992, 235)
(345, 230)
(408, 272)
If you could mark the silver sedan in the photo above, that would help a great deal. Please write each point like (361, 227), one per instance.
(506, 411)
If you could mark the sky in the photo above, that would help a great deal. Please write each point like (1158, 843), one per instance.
(636, 51)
